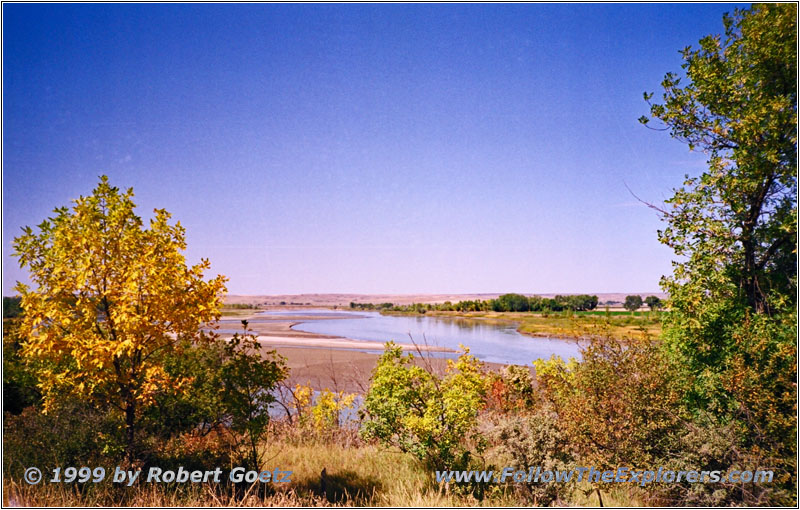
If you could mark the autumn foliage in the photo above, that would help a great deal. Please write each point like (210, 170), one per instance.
(111, 297)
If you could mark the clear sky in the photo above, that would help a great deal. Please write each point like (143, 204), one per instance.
(359, 148)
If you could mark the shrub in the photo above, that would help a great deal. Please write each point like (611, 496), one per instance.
(19, 381)
(72, 434)
(323, 412)
(533, 438)
(524, 431)
(510, 390)
(418, 411)
(229, 389)
(619, 406)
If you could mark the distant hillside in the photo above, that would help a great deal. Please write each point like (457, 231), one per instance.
(400, 299)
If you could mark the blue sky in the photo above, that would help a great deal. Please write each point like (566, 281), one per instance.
(359, 148)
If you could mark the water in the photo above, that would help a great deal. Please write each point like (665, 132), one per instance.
(488, 342)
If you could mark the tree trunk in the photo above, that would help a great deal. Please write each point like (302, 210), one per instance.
(753, 295)
(130, 429)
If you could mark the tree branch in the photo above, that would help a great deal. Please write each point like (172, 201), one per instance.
(648, 204)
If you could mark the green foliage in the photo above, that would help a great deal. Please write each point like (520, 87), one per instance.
(511, 303)
(732, 325)
(19, 381)
(229, 389)
(735, 225)
(575, 302)
(653, 302)
(240, 306)
(761, 379)
(12, 307)
(737, 222)
(411, 407)
(74, 434)
(633, 303)
(504, 303)
(248, 376)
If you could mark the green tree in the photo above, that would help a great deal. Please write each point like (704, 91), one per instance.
(247, 377)
(12, 307)
(111, 299)
(737, 222)
(735, 225)
(580, 302)
(228, 388)
(653, 302)
(512, 303)
(633, 303)
(732, 324)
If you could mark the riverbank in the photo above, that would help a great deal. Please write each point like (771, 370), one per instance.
(560, 324)
(321, 361)
(346, 370)
(277, 332)
(327, 361)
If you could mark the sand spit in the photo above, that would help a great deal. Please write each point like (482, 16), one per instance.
(280, 333)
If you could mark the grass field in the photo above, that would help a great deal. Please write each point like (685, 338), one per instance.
(356, 474)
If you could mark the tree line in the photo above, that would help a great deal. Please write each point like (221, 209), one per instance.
(513, 303)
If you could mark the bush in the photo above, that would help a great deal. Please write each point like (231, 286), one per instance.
(19, 382)
(510, 390)
(619, 406)
(320, 414)
(524, 431)
(533, 438)
(229, 389)
(73, 434)
(419, 411)
(12, 307)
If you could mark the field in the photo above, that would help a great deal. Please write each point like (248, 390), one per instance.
(356, 474)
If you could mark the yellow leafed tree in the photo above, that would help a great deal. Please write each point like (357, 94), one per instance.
(110, 299)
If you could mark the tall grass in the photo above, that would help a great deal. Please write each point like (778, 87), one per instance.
(356, 474)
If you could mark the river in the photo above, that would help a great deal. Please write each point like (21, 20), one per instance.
(488, 342)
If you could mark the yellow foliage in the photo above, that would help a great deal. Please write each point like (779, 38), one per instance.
(323, 412)
(328, 407)
(111, 296)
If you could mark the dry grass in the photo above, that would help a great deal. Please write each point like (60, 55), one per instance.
(357, 474)
(17, 493)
